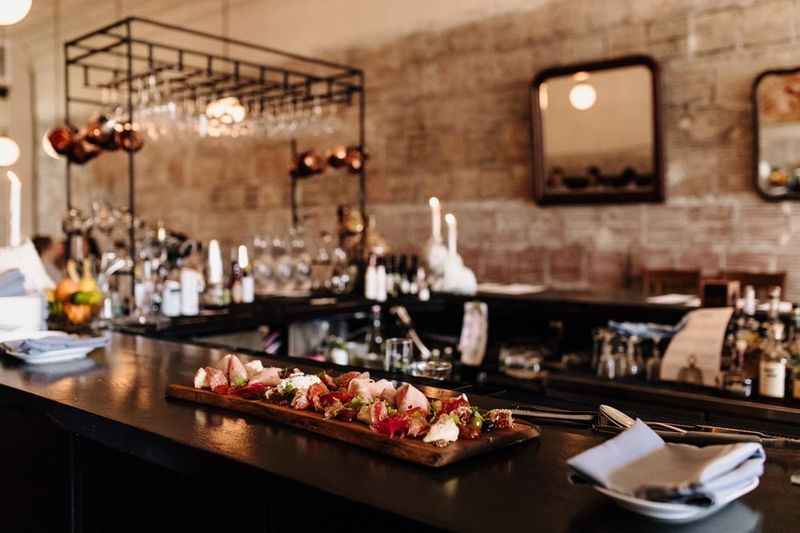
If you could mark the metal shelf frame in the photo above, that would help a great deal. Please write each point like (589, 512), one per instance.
(123, 55)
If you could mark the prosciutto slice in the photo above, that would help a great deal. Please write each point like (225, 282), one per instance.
(409, 397)
(269, 377)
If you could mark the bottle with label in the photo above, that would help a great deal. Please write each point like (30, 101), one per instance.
(248, 282)
(235, 280)
(772, 368)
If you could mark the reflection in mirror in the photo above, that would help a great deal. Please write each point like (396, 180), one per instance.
(776, 96)
(595, 133)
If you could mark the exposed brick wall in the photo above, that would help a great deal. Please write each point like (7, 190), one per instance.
(448, 117)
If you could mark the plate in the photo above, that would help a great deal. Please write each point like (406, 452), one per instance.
(675, 512)
(55, 356)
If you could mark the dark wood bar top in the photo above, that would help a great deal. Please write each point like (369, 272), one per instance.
(119, 401)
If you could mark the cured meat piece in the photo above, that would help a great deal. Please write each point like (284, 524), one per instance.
(314, 393)
(268, 376)
(300, 401)
(361, 386)
(377, 412)
(409, 397)
(451, 404)
(417, 423)
(395, 426)
(201, 378)
(253, 391)
(333, 408)
(327, 380)
(221, 389)
(237, 373)
(222, 364)
(215, 377)
(344, 380)
(382, 388)
(234, 370)
(253, 368)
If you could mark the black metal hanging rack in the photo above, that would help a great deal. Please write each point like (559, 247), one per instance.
(122, 54)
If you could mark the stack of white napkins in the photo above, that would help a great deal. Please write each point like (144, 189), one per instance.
(12, 283)
(640, 464)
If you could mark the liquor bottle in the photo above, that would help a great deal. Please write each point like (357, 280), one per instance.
(413, 288)
(248, 281)
(375, 336)
(772, 368)
(390, 285)
(380, 280)
(405, 285)
(216, 294)
(371, 279)
(235, 281)
(633, 358)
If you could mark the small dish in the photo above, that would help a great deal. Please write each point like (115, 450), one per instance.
(675, 512)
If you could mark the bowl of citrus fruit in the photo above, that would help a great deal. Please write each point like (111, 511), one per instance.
(76, 297)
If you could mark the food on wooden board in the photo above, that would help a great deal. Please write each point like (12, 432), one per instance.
(404, 412)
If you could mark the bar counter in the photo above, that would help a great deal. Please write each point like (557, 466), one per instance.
(119, 404)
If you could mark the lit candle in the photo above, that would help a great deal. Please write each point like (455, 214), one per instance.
(15, 210)
(243, 258)
(215, 272)
(436, 219)
(452, 233)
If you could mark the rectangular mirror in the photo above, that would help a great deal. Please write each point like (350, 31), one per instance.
(776, 110)
(595, 133)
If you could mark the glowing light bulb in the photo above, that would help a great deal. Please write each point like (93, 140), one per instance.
(13, 11)
(9, 152)
(582, 96)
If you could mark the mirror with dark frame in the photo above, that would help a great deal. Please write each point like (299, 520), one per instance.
(776, 139)
(595, 133)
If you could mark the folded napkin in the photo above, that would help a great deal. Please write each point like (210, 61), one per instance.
(12, 283)
(54, 343)
(639, 463)
(645, 331)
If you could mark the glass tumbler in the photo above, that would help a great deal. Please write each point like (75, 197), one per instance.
(397, 354)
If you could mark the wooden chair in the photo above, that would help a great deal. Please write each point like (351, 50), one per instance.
(762, 282)
(664, 281)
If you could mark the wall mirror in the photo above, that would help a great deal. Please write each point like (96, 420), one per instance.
(776, 119)
(596, 133)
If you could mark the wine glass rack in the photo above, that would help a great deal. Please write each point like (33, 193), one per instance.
(197, 65)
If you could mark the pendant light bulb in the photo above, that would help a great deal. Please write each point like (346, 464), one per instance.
(9, 152)
(13, 11)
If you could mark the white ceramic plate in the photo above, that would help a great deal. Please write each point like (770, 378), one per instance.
(55, 356)
(674, 512)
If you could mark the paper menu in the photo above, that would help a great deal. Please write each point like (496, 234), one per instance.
(695, 353)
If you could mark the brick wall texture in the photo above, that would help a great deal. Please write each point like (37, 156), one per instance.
(447, 116)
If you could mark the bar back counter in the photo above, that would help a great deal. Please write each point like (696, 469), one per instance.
(102, 449)
(512, 319)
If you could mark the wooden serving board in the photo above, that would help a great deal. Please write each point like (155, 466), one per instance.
(412, 450)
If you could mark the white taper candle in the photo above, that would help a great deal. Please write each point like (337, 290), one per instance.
(452, 233)
(15, 210)
(436, 219)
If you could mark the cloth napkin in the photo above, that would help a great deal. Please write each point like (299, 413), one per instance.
(54, 343)
(639, 463)
(12, 283)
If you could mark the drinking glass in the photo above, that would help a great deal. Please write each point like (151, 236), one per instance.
(397, 354)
